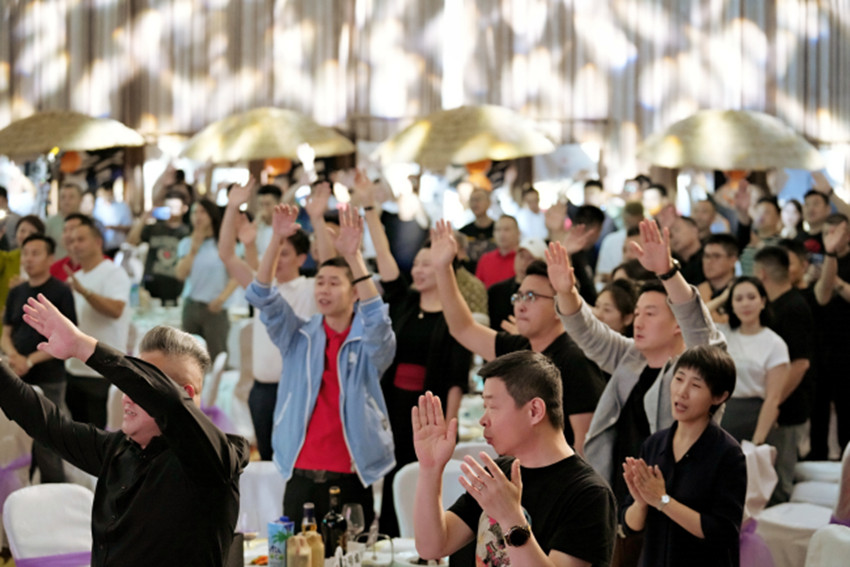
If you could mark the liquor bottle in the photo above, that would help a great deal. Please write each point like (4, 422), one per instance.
(308, 522)
(334, 525)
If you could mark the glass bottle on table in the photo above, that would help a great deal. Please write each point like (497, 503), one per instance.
(334, 525)
(308, 521)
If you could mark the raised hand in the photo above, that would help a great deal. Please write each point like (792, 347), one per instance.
(247, 231)
(653, 252)
(560, 270)
(433, 438)
(509, 325)
(742, 198)
(347, 242)
(364, 189)
(577, 238)
(443, 244)
(834, 236)
(284, 222)
(65, 340)
(317, 204)
(498, 496)
(240, 194)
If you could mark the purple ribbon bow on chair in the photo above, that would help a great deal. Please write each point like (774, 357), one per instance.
(754, 551)
(76, 559)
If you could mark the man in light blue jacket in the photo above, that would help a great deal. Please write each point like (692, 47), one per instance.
(330, 419)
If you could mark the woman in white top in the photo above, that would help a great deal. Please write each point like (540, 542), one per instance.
(761, 360)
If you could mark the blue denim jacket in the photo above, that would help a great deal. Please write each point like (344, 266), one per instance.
(363, 358)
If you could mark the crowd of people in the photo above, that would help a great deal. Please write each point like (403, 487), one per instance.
(612, 342)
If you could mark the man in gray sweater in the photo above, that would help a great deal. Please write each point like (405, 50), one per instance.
(669, 317)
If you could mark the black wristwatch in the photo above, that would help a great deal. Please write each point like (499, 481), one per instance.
(671, 272)
(517, 536)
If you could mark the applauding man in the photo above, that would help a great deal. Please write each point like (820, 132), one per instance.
(540, 505)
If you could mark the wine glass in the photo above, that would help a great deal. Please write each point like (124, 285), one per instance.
(355, 521)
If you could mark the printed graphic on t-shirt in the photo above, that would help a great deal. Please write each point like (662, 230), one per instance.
(490, 549)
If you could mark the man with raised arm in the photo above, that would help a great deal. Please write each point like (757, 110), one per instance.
(669, 317)
(539, 330)
(540, 504)
(168, 483)
(331, 425)
(297, 290)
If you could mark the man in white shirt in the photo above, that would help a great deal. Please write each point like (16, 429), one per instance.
(101, 297)
(268, 196)
(115, 216)
(295, 288)
(611, 248)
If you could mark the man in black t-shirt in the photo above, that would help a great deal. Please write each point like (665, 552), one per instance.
(479, 233)
(832, 290)
(20, 341)
(541, 503)
(792, 320)
(539, 329)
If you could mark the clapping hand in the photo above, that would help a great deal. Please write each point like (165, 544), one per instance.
(65, 340)
(284, 222)
(347, 242)
(653, 251)
(443, 244)
(561, 274)
(646, 483)
(433, 438)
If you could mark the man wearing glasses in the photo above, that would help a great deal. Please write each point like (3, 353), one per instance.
(539, 329)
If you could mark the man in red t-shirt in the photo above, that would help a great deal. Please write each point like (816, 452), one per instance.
(498, 264)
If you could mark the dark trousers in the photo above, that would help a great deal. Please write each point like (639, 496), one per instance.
(261, 402)
(831, 386)
(301, 489)
(48, 462)
(86, 398)
(213, 327)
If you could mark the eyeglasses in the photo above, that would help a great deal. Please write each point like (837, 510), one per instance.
(528, 296)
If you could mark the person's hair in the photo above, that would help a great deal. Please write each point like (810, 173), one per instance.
(338, 262)
(775, 262)
(634, 231)
(770, 201)
(300, 240)
(658, 187)
(48, 242)
(593, 183)
(214, 213)
(36, 222)
(714, 365)
(589, 215)
(641, 178)
(652, 285)
(272, 190)
(174, 342)
(710, 202)
(83, 218)
(172, 194)
(528, 190)
(734, 321)
(537, 268)
(624, 294)
(727, 241)
(528, 375)
(794, 247)
(689, 221)
(633, 208)
(635, 271)
(822, 196)
(107, 186)
(74, 186)
(835, 219)
(516, 223)
(4, 193)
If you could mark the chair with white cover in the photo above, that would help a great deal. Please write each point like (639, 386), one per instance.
(472, 448)
(209, 393)
(51, 522)
(261, 488)
(114, 408)
(829, 547)
(404, 490)
(15, 460)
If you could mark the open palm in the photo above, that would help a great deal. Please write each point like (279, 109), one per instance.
(284, 222)
(63, 336)
(443, 244)
(433, 438)
(347, 242)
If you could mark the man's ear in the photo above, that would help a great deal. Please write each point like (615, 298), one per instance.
(190, 390)
(537, 409)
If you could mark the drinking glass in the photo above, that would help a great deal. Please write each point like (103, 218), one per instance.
(353, 514)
